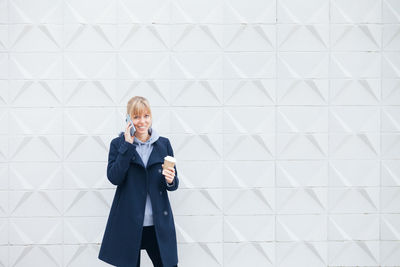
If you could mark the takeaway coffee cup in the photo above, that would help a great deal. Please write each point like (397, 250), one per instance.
(169, 162)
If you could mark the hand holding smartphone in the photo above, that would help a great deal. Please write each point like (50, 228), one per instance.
(129, 120)
(132, 129)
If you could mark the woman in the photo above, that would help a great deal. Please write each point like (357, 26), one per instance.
(140, 215)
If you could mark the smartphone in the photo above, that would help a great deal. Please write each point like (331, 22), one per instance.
(128, 119)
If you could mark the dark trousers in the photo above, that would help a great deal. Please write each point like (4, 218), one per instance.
(150, 244)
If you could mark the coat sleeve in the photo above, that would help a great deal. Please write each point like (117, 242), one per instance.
(175, 183)
(118, 161)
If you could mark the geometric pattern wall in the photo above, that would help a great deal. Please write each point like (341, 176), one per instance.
(284, 117)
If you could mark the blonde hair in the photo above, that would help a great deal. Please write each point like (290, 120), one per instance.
(138, 105)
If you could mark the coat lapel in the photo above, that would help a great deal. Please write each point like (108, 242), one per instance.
(155, 156)
(137, 159)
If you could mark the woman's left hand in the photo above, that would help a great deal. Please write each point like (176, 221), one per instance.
(169, 174)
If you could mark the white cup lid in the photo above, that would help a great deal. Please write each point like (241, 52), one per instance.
(169, 158)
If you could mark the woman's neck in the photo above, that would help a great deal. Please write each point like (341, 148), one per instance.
(142, 137)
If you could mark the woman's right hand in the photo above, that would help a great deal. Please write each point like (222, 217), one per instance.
(128, 137)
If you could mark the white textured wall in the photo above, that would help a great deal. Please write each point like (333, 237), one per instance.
(284, 116)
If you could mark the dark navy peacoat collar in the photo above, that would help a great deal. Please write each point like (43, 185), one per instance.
(156, 155)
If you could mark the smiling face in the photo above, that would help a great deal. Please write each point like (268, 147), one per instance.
(139, 109)
(142, 122)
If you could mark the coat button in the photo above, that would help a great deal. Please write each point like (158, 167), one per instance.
(159, 171)
(165, 212)
(160, 192)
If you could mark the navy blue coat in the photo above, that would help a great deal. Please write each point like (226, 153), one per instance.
(123, 233)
